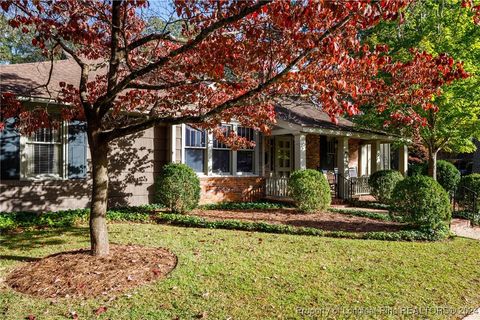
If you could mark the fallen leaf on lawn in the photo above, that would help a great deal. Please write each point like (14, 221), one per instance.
(100, 310)
(202, 315)
(74, 315)
(31, 317)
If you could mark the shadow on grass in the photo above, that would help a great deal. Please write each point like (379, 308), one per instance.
(18, 258)
(40, 238)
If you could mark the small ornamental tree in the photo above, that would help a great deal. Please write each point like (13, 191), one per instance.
(222, 59)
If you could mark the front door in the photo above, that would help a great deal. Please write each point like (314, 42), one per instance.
(283, 156)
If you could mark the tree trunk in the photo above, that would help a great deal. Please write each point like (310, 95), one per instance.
(432, 163)
(98, 207)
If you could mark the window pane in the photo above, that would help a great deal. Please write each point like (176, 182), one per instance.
(246, 133)
(218, 144)
(245, 161)
(46, 135)
(44, 159)
(195, 158)
(194, 137)
(221, 161)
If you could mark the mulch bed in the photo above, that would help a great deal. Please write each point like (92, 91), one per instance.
(79, 274)
(290, 216)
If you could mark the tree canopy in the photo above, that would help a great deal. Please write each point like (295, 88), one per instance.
(436, 27)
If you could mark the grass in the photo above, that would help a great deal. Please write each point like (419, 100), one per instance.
(248, 275)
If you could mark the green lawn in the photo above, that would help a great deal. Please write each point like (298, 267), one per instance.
(248, 275)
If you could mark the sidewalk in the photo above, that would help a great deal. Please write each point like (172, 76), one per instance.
(462, 228)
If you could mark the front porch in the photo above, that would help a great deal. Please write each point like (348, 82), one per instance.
(346, 160)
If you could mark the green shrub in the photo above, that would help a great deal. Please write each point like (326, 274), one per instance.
(415, 169)
(310, 190)
(448, 176)
(421, 201)
(382, 184)
(472, 182)
(178, 188)
(244, 206)
(7, 222)
(465, 197)
(402, 235)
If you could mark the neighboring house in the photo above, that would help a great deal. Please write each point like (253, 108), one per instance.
(49, 170)
(467, 163)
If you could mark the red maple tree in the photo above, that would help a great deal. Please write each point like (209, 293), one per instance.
(229, 59)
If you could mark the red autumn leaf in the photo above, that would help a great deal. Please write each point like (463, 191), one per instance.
(100, 310)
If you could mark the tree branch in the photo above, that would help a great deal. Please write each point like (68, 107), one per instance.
(111, 94)
(163, 86)
(119, 132)
(152, 37)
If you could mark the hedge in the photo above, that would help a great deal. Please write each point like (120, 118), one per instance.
(403, 235)
(69, 218)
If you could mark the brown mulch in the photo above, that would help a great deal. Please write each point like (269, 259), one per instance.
(323, 220)
(79, 274)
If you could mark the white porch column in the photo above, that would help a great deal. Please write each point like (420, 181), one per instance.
(300, 151)
(375, 157)
(403, 159)
(209, 166)
(343, 160)
(173, 143)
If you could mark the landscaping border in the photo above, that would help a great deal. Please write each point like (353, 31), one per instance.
(403, 235)
(147, 214)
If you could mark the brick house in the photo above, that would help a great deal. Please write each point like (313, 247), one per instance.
(49, 169)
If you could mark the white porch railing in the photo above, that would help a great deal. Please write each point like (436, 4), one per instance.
(276, 187)
(360, 186)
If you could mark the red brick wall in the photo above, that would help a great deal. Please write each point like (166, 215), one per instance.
(231, 189)
(353, 149)
(313, 151)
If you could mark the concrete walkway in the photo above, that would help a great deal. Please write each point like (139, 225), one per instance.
(462, 228)
(473, 316)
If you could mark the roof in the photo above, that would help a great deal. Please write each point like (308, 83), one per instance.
(306, 114)
(28, 79)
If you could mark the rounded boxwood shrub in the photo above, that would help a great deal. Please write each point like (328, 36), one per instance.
(178, 188)
(310, 190)
(421, 201)
(415, 169)
(448, 176)
(382, 184)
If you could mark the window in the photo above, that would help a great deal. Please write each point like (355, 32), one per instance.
(206, 154)
(385, 156)
(45, 153)
(221, 155)
(366, 159)
(195, 146)
(245, 157)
